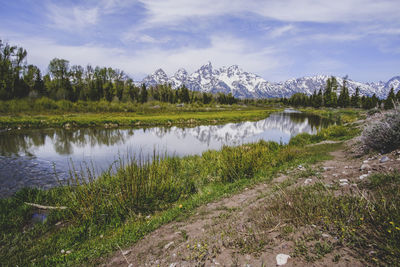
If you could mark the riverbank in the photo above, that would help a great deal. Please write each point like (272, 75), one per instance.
(328, 213)
(113, 120)
(117, 210)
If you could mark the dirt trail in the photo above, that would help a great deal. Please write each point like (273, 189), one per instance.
(220, 233)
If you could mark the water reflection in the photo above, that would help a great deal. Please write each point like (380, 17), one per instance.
(27, 157)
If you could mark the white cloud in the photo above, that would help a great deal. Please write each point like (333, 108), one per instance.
(163, 12)
(279, 31)
(223, 51)
(72, 18)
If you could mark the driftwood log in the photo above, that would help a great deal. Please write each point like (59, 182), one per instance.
(45, 207)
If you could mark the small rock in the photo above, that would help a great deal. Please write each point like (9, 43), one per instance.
(398, 159)
(365, 161)
(130, 265)
(335, 175)
(168, 245)
(325, 235)
(363, 176)
(148, 216)
(344, 184)
(216, 262)
(372, 252)
(126, 252)
(307, 181)
(344, 172)
(365, 167)
(384, 159)
(343, 180)
(173, 264)
(281, 259)
(327, 168)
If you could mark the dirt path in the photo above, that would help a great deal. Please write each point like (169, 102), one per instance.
(227, 232)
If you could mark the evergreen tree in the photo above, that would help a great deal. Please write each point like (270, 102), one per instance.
(355, 99)
(330, 96)
(344, 98)
(390, 100)
(143, 94)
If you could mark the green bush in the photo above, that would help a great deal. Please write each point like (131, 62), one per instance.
(45, 103)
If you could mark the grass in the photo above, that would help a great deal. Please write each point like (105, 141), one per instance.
(343, 115)
(118, 210)
(368, 221)
(167, 117)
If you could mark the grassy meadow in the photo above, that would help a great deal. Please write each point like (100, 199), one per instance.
(17, 114)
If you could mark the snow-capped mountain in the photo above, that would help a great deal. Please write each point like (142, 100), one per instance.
(243, 84)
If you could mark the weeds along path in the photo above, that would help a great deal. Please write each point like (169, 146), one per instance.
(245, 229)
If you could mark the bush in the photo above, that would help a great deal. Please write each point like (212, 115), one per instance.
(337, 132)
(45, 103)
(383, 136)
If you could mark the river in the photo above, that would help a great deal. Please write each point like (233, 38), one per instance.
(43, 157)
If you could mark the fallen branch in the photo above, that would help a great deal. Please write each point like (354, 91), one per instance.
(45, 207)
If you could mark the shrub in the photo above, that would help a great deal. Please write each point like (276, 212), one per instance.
(45, 103)
(383, 136)
(337, 132)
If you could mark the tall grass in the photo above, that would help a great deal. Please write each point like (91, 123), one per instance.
(125, 198)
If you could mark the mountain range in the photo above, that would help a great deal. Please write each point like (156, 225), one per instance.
(244, 84)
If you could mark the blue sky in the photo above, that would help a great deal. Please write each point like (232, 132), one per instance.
(277, 39)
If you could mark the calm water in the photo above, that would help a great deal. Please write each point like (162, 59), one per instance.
(32, 157)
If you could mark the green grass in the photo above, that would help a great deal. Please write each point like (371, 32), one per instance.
(365, 222)
(341, 115)
(112, 210)
(119, 209)
(167, 117)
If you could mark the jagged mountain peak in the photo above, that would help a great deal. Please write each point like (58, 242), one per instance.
(160, 72)
(208, 65)
(244, 84)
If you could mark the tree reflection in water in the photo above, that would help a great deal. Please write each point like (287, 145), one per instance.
(26, 156)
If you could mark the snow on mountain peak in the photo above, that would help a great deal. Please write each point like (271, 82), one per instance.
(248, 85)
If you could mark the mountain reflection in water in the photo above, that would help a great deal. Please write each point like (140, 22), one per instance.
(27, 156)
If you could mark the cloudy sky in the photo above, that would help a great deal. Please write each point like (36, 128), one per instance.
(276, 39)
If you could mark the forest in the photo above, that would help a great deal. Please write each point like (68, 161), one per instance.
(76, 83)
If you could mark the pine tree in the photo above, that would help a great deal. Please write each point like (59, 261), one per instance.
(143, 94)
(355, 99)
(390, 100)
(344, 98)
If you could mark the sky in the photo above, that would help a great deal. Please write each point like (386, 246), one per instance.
(276, 39)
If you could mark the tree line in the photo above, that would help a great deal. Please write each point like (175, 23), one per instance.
(328, 97)
(73, 83)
